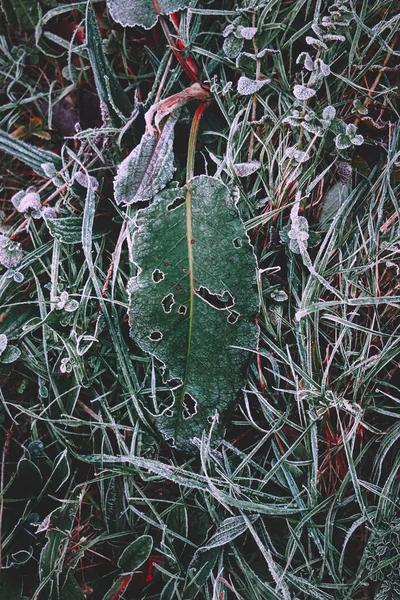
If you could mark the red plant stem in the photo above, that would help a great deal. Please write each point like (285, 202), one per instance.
(191, 71)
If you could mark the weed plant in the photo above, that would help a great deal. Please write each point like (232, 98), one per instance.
(300, 500)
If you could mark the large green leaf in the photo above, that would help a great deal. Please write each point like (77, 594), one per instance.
(193, 302)
(142, 12)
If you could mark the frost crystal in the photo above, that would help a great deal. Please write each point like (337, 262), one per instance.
(312, 128)
(49, 170)
(11, 253)
(298, 155)
(25, 201)
(308, 61)
(315, 43)
(329, 113)
(246, 32)
(247, 86)
(302, 92)
(332, 37)
(298, 233)
(86, 180)
(323, 67)
(246, 169)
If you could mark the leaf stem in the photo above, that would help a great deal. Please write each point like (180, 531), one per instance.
(194, 130)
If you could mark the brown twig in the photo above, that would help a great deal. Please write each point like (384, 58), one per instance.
(368, 100)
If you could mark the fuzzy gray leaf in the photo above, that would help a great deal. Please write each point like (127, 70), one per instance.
(247, 86)
(148, 168)
(130, 13)
(303, 92)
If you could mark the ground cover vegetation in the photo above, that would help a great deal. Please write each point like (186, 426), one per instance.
(199, 325)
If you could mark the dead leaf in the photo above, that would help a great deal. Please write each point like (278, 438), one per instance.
(165, 107)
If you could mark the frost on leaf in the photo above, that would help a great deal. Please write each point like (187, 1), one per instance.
(246, 169)
(303, 92)
(25, 201)
(130, 13)
(204, 308)
(148, 168)
(298, 155)
(329, 113)
(86, 180)
(316, 43)
(232, 46)
(247, 86)
(246, 32)
(11, 253)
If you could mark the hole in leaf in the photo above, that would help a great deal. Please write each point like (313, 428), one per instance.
(218, 301)
(167, 303)
(182, 310)
(189, 406)
(237, 242)
(158, 276)
(155, 336)
(174, 383)
(233, 317)
(176, 203)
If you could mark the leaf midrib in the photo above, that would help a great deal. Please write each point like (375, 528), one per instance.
(189, 236)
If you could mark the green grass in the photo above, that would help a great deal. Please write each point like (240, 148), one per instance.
(300, 500)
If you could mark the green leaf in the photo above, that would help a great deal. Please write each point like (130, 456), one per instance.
(61, 470)
(118, 587)
(148, 168)
(3, 342)
(28, 154)
(10, 355)
(193, 302)
(107, 84)
(10, 584)
(69, 229)
(22, 14)
(60, 524)
(229, 530)
(331, 202)
(29, 473)
(136, 554)
(71, 590)
(199, 571)
(130, 13)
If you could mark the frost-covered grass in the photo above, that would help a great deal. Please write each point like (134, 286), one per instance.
(300, 500)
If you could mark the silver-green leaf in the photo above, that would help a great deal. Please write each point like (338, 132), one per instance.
(130, 13)
(194, 301)
(148, 168)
